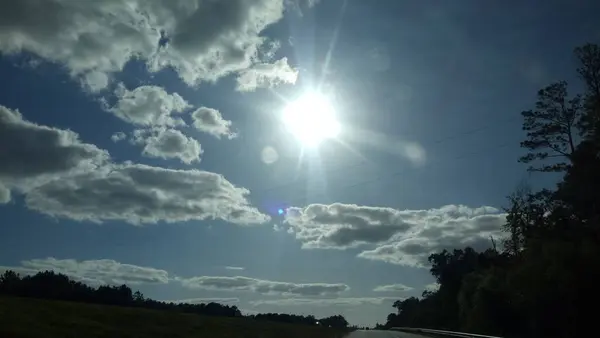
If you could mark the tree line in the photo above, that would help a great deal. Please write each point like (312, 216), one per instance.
(52, 285)
(544, 280)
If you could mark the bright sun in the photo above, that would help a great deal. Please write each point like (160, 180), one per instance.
(311, 118)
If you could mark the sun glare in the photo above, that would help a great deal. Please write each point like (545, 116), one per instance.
(311, 119)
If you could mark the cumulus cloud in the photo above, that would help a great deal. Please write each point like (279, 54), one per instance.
(446, 230)
(239, 283)
(200, 48)
(64, 177)
(32, 154)
(167, 144)
(266, 75)
(222, 300)
(431, 287)
(118, 136)
(352, 301)
(95, 39)
(95, 272)
(88, 38)
(415, 251)
(149, 106)
(340, 226)
(95, 81)
(404, 237)
(211, 121)
(137, 194)
(392, 288)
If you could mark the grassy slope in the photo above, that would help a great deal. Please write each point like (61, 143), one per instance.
(22, 317)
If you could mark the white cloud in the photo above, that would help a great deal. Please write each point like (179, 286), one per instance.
(325, 301)
(239, 283)
(167, 144)
(223, 300)
(211, 121)
(405, 237)
(33, 154)
(137, 193)
(247, 312)
(95, 81)
(446, 230)
(94, 39)
(63, 177)
(432, 287)
(237, 268)
(118, 136)
(340, 226)
(149, 106)
(392, 288)
(88, 38)
(94, 272)
(266, 75)
(202, 48)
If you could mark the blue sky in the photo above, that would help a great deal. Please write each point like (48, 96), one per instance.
(144, 142)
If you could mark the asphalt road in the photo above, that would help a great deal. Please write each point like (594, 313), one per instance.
(382, 334)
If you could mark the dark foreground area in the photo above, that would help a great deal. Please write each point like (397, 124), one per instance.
(25, 317)
(382, 334)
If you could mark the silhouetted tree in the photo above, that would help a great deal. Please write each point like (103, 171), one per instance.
(337, 321)
(588, 57)
(50, 285)
(552, 127)
(546, 281)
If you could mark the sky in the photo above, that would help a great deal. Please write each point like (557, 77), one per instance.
(149, 142)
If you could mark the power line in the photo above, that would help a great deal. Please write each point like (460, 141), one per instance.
(477, 129)
(363, 162)
(400, 172)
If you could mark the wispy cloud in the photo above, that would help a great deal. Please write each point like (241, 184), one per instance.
(222, 300)
(352, 301)
(240, 283)
(95, 272)
(237, 268)
(392, 288)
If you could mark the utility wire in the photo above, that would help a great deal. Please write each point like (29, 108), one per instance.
(400, 172)
(363, 162)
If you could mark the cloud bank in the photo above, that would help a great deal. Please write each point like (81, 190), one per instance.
(94, 272)
(61, 176)
(351, 302)
(96, 39)
(240, 283)
(404, 237)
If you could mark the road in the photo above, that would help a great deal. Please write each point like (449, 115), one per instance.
(382, 334)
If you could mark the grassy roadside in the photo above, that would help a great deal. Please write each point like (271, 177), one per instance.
(23, 317)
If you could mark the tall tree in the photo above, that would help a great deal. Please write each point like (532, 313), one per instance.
(588, 57)
(552, 128)
(525, 216)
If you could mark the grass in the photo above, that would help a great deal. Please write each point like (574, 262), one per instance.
(25, 317)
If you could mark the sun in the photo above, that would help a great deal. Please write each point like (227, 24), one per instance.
(311, 119)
